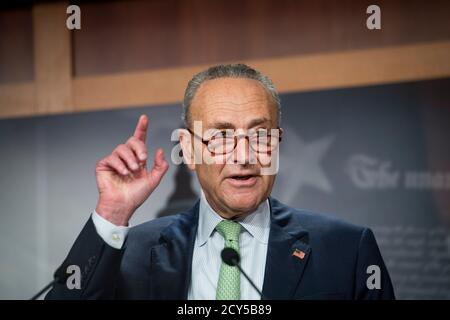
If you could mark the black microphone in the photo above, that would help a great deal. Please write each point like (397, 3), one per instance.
(60, 276)
(231, 257)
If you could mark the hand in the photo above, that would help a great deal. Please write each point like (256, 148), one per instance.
(123, 181)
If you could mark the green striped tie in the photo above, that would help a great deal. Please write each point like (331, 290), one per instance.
(229, 284)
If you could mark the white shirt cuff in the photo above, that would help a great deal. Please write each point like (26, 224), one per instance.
(110, 233)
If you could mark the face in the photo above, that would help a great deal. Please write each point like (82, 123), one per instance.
(232, 188)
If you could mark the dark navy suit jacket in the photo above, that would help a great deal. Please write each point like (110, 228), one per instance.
(155, 260)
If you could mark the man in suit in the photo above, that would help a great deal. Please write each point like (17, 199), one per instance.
(231, 139)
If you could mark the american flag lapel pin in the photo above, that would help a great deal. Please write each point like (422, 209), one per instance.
(299, 254)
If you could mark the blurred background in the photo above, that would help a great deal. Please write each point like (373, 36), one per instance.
(366, 115)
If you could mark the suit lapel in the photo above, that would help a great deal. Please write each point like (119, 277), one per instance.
(287, 255)
(171, 259)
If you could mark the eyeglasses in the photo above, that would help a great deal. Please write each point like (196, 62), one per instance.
(222, 142)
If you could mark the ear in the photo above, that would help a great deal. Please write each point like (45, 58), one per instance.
(187, 147)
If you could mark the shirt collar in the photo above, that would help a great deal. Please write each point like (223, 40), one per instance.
(257, 223)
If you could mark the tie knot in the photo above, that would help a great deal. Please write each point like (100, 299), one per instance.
(230, 230)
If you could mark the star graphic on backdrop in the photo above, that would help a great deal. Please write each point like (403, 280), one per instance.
(308, 157)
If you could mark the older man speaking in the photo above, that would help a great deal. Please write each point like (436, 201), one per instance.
(231, 139)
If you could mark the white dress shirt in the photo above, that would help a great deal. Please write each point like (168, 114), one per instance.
(208, 245)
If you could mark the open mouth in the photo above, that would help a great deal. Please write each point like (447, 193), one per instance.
(243, 180)
(246, 177)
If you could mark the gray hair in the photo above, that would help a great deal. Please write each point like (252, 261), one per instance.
(227, 71)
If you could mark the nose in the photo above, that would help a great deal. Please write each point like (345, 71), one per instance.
(241, 154)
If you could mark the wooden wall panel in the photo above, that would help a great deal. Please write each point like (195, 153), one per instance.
(52, 59)
(17, 100)
(16, 45)
(293, 73)
(132, 53)
(140, 35)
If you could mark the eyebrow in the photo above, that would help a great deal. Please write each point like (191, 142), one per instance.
(229, 125)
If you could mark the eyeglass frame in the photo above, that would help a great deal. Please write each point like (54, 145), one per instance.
(235, 136)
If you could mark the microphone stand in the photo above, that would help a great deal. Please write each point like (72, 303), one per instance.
(58, 277)
(238, 265)
(232, 258)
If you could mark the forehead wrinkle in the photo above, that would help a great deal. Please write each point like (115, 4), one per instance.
(247, 113)
(231, 89)
(227, 111)
(229, 108)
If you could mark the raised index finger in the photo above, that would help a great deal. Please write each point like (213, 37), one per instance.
(141, 128)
